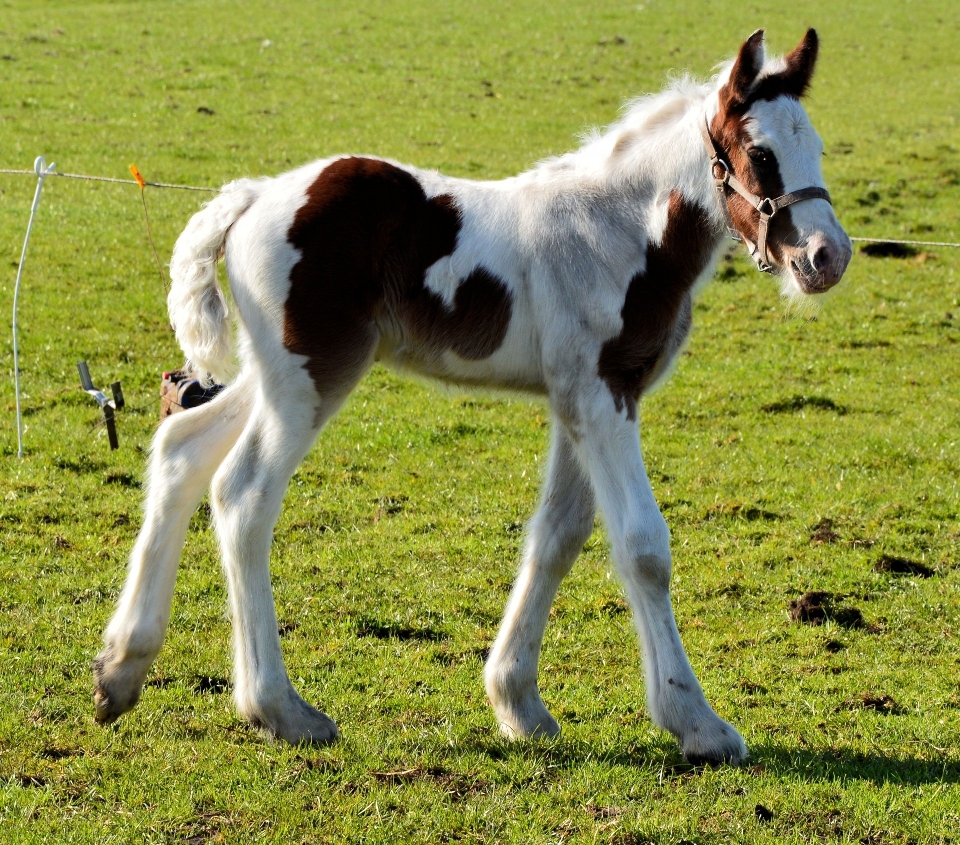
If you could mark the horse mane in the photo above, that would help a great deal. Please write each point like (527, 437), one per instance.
(645, 121)
(643, 125)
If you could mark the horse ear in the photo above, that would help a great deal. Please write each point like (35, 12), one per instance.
(800, 63)
(745, 68)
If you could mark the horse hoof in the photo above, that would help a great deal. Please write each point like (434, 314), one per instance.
(714, 745)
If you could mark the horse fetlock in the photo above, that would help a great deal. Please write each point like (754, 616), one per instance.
(679, 707)
(117, 684)
(528, 719)
(713, 742)
(520, 712)
(291, 719)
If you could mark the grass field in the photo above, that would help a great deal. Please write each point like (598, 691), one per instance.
(788, 455)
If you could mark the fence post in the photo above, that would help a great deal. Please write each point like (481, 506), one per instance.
(42, 170)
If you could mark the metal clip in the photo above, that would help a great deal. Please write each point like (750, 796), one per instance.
(108, 405)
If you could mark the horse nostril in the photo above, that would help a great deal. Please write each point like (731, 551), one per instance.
(821, 259)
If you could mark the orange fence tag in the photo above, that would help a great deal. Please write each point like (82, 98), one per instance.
(137, 176)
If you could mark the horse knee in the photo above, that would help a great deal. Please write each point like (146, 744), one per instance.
(652, 569)
(646, 554)
(238, 497)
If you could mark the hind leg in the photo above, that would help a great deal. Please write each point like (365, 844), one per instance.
(556, 536)
(187, 449)
(246, 496)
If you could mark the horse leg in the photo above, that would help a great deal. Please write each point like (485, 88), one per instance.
(610, 448)
(555, 537)
(187, 449)
(246, 496)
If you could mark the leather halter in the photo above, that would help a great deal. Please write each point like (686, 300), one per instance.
(724, 178)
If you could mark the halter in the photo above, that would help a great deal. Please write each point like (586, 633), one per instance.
(724, 178)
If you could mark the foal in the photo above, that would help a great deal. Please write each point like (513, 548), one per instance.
(572, 280)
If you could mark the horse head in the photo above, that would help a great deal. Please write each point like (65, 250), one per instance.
(766, 164)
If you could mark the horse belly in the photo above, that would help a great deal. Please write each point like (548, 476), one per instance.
(484, 344)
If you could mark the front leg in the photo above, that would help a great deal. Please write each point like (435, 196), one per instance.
(609, 446)
(555, 536)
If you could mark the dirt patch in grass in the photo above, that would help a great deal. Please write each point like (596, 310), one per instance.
(367, 627)
(124, 479)
(763, 814)
(801, 403)
(446, 656)
(287, 628)
(901, 566)
(214, 686)
(871, 701)
(81, 465)
(614, 606)
(389, 506)
(54, 752)
(456, 785)
(823, 532)
(817, 606)
(604, 813)
(738, 510)
(204, 828)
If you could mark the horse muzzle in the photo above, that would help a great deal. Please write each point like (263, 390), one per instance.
(820, 264)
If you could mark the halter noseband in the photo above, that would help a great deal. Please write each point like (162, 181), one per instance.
(723, 178)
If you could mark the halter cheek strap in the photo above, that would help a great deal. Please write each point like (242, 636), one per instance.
(724, 179)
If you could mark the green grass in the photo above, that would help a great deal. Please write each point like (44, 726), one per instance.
(787, 455)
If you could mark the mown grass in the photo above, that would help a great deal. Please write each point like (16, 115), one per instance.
(788, 455)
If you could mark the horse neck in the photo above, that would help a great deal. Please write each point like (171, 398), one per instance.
(646, 159)
(671, 158)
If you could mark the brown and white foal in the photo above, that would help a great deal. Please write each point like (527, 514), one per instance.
(572, 280)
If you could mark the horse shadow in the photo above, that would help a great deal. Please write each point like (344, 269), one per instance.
(832, 765)
(845, 765)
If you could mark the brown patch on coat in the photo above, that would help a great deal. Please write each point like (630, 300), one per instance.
(476, 326)
(367, 233)
(657, 303)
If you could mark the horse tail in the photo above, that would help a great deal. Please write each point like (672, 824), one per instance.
(196, 304)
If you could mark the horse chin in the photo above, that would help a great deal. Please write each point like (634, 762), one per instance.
(803, 294)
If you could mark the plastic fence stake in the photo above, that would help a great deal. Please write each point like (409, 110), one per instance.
(42, 170)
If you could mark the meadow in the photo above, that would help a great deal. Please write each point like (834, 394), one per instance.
(788, 454)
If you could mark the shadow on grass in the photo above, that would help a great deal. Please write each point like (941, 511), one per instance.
(832, 765)
(840, 765)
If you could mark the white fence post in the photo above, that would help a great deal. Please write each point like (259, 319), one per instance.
(42, 171)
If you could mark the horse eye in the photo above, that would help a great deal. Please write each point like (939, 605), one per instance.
(760, 156)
